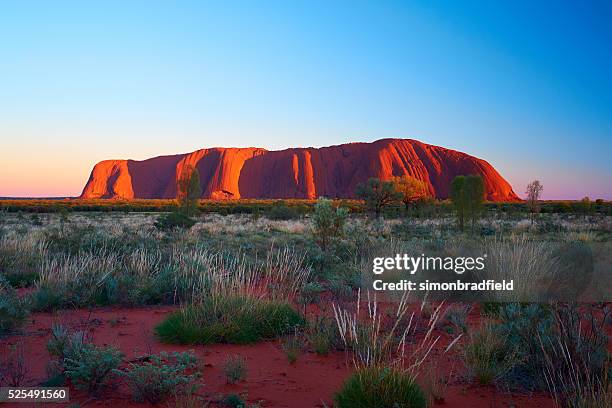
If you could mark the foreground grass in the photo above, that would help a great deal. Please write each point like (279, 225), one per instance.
(229, 319)
(375, 387)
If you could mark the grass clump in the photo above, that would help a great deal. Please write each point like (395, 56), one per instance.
(322, 335)
(376, 387)
(158, 376)
(229, 319)
(292, 345)
(235, 369)
(486, 355)
(13, 311)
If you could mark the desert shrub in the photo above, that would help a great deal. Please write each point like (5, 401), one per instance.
(174, 220)
(487, 355)
(229, 319)
(455, 318)
(490, 309)
(340, 289)
(467, 196)
(576, 361)
(47, 299)
(377, 194)
(322, 335)
(281, 211)
(310, 293)
(90, 367)
(234, 401)
(64, 343)
(13, 310)
(574, 273)
(525, 326)
(327, 222)
(376, 387)
(13, 366)
(158, 376)
(235, 369)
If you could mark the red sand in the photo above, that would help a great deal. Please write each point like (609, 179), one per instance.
(271, 380)
(335, 171)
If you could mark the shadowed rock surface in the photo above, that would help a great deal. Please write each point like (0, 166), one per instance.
(334, 171)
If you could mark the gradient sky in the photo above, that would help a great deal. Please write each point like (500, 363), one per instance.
(524, 85)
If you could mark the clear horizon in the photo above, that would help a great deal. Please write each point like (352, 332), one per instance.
(523, 86)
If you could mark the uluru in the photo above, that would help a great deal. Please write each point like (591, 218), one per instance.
(308, 173)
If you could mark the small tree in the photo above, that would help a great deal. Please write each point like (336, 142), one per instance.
(412, 189)
(377, 194)
(189, 191)
(534, 191)
(585, 206)
(327, 222)
(457, 195)
(467, 195)
(475, 193)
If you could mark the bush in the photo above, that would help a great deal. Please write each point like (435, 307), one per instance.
(380, 388)
(159, 376)
(13, 311)
(377, 194)
(526, 327)
(13, 367)
(174, 220)
(576, 361)
(455, 318)
(234, 401)
(487, 356)
(322, 335)
(89, 367)
(327, 222)
(63, 343)
(229, 319)
(234, 369)
(280, 211)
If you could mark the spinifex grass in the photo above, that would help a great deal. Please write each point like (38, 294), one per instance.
(229, 319)
(376, 387)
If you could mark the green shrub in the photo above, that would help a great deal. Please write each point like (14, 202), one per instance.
(64, 343)
(310, 293)
(234, 401)
(89, 367)
(380, 388)
(229, 319)
(327, 222)
(159, 376)
(13, 310)
(174, 220)
(280, 211)
(234, 369)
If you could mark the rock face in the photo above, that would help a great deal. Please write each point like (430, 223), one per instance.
(335, 171)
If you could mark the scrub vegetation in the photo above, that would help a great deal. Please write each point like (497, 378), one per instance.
(290, 273)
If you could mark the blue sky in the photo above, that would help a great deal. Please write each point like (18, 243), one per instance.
(524, 85)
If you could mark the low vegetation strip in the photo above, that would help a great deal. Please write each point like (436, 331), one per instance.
(229, 319)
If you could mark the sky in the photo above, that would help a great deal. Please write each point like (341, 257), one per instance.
(525, 85)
